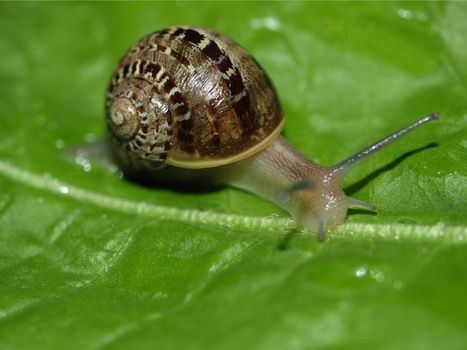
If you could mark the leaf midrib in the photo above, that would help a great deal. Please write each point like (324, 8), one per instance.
(365, 230)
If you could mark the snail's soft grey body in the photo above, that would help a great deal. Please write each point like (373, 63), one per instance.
(189, 105)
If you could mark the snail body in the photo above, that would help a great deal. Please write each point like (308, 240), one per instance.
(188, 103)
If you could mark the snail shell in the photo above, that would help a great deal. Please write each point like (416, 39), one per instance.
(191, 98)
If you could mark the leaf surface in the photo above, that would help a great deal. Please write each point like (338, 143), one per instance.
(89, 260)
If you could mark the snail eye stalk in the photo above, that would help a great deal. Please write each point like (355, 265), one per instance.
(344, 167)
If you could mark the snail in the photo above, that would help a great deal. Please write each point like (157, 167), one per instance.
(190, 105)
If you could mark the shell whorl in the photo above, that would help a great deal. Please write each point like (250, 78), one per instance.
(191, 98)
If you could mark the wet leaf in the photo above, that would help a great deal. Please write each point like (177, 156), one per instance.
(89, 260)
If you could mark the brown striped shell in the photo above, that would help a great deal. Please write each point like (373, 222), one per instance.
(191, 98)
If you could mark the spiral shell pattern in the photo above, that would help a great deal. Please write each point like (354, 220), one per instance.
(190, 97)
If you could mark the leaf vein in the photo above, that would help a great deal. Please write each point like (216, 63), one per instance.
(349, 229)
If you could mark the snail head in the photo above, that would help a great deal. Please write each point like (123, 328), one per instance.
(321, 205)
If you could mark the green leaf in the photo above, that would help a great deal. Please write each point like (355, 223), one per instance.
(89, 260)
